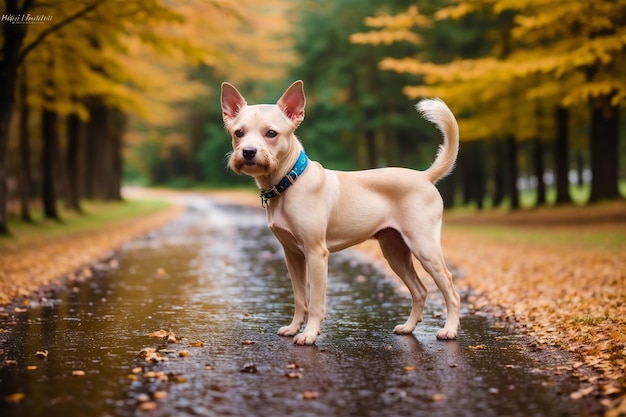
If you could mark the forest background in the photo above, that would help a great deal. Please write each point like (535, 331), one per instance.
(99, 93)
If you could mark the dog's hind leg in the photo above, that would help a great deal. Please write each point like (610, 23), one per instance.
(400, 260)
(296, 266)
(427, 249)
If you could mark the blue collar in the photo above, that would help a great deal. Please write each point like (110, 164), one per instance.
(289, 179)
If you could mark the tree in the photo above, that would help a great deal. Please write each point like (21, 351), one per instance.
(356, 116)
(25, 169)
(14, 51)
(123, 59)
(560, 53)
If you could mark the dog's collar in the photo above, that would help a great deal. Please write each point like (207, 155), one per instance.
(289, 179)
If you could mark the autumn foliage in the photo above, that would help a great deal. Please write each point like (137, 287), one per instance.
(81, 72)
(545, 56)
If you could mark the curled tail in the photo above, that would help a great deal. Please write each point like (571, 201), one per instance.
(436, 111)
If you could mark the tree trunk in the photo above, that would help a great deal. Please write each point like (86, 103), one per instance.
(512, 171)
(499, 174)
(370, 143)
(604, 148)
(74, 126)
(93, 150)
(13, 37)
(6, 110)
(119, 120)
(473, 173)
(539, 168)
(561, 157)
(25, 178)
(49, 155)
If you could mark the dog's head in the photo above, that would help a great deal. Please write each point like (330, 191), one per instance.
(262, 134)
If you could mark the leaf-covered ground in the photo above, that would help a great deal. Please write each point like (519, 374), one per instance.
(558, 275)
(27, 264)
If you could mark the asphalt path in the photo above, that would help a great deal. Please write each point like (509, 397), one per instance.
(215, 282)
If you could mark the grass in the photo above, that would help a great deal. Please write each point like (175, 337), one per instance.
(96, 215)
(604, 240)
(599, 226)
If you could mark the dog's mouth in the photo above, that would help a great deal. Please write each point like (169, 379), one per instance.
(255, 166)
(250, 167)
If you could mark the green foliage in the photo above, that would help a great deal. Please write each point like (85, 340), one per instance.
(356, 115)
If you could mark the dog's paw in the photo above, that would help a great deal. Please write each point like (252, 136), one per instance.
(290, 330)
(305, 338)
(403, 329)
(446, 334)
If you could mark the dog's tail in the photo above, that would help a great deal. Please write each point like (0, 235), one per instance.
(436, 111)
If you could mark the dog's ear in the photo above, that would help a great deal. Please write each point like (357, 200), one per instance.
(292, 102)
(232, 102)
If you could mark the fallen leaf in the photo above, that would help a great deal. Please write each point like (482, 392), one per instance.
(196, 343)
(310, 395)
(42, 354)
(409, 368)
(160, 333)
(183, 353)
(152, 355)
(437, 397)
(178, 378)
(477, 347)
(148, 406)
(583, 392)
(78, 372)
(159, 395)
(142, 398)
(15, 397)
(170, 337)
(247, 342)
(293, 375)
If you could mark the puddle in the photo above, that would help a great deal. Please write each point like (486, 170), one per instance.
(216, 275)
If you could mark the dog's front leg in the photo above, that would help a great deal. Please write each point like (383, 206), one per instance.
(296, 266)
(317, 270)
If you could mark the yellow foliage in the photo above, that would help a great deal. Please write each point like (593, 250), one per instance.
(386, 37)
(136, 55)
(562, 53)
(396, 28)
(406, 20)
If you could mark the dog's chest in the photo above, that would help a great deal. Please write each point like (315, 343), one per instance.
(283, 229)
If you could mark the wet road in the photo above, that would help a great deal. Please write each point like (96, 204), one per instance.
(216, 276)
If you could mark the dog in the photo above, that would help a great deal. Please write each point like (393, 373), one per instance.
(314, 211)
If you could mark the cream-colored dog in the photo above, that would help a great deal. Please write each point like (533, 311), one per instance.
(314, 211)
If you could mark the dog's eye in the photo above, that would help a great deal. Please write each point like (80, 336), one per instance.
(239, 133)
(271, 133)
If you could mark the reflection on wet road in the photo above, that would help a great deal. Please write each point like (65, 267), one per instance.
(216, 275)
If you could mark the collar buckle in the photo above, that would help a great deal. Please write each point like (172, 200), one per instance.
(287, 180)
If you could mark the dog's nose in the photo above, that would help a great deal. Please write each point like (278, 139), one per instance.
(248, 153)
